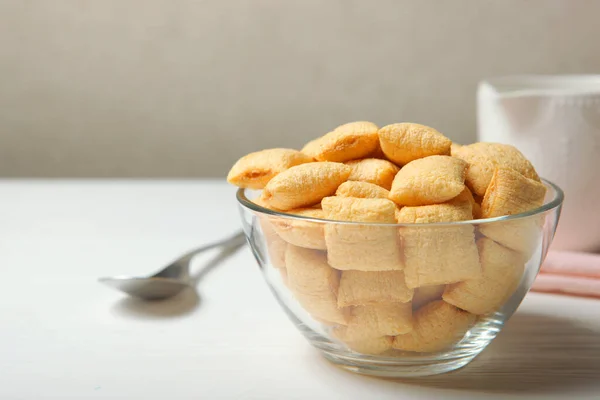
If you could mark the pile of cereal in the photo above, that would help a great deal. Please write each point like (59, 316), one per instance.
(381, 286)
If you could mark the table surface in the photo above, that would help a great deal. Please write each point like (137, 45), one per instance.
(63, 335)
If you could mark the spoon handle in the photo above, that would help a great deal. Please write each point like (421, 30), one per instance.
(237, 239)
(180, 267)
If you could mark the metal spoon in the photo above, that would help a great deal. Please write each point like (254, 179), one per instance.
(173, 278)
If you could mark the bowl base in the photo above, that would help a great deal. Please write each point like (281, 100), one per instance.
(400, 367)
(397, 363)
(400, 364)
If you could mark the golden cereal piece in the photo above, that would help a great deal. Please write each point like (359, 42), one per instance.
(255, 170)
(405, 142)
(457, 209)
(523, 235)
(454, 147)
(305, 185)
(466, 195)
(397, 215)
(358, 210)
(283, 274)
(509, 193)
(484, 158)
(427, 294)
(363, 190)
(373, 170)
(311, 148)
(361, 247)
(439, 254)
(276, 246)
(373, 346)
(310, 235)
(502, 270)
(314, 283)
(327, 323)
(260, 201)
(346, 142)
(359, 288)
(477, 200)
(436, 326)
(429, 180)
(386, 319)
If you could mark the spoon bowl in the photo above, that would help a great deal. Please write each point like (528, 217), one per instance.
(152, 288)
(172, 279)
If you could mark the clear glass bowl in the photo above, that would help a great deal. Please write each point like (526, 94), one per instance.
(470, 277)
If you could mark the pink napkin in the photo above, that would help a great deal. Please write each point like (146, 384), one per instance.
(572, 273)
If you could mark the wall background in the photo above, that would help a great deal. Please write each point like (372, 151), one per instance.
(182, 88)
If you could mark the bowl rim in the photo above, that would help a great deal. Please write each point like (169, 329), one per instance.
(550, 205)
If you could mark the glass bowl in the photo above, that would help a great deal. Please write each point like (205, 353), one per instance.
(400, 300)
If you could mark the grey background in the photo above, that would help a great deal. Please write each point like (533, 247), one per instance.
(182, 88)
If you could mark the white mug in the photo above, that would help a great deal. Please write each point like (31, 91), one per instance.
(555, 122)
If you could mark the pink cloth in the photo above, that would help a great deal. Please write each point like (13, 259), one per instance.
(572, 263)
(571, 285)
(572, 273)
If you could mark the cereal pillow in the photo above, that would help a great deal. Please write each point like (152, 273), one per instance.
(255, 170)
(405, 142)
(346, 142)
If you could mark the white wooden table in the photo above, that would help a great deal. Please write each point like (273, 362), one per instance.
(63, 335)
